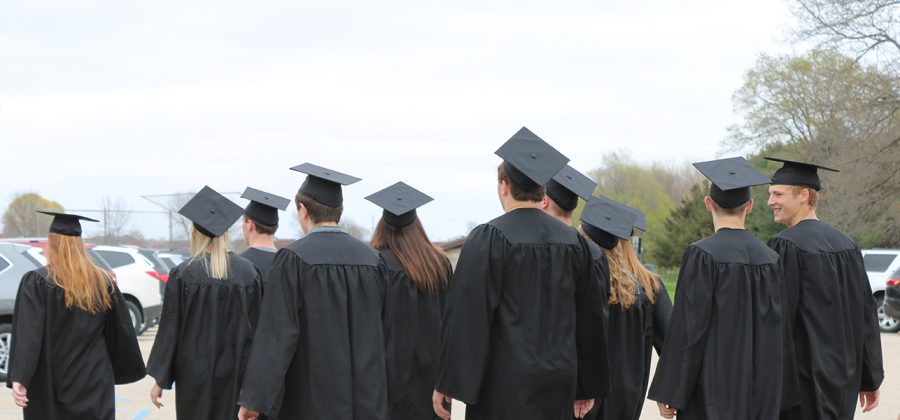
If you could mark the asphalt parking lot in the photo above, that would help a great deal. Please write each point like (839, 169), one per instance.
(133, 401)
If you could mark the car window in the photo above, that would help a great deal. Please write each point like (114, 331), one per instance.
(878, 263)
(4, 264)
(116, 259)
(153, 261)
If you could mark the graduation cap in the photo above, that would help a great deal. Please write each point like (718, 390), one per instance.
(798, 173)
(567, 185)
(529, 161)
(399, 202)
(731, 180)
(323, 185)
(640, 220)
(605, 221)
(211, 212)
(66, 223)
(263, 207)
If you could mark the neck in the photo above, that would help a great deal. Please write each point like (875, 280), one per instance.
(515, 205)
(323, 224)
(261, 241)
(728, 222)
(808, 214)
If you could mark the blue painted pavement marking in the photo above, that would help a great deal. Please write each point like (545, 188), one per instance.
(141, 414)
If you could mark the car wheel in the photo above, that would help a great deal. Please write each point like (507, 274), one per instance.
(885, 323)
(137, 318)
(5, 341)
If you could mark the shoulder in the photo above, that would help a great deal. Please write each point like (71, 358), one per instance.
(533, 227)
(390, 260)
(813, 236)
(736, 247)
(332, 248)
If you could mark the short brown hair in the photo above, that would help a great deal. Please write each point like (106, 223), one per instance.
(263, 228)
(518, 193)
(734, 211)
(813, 194)
(318, 212)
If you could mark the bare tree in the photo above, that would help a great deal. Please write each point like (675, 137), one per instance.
(21, 217)
(116, 219)
(857, 26)
(355, 229)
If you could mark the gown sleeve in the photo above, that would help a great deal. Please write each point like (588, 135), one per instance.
(27, 329)
(276, 338)
(662, 316)
(121, 342)
(791, 264)
(592, 318)
(679, 365)
(161, 365)
(872, 364)
(472, 298)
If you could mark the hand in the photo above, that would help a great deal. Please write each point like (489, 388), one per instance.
(247, 414)
(665, 411)
(20, 394)
(869, 400)
(155, 395)
(437, 401)
(582, 407)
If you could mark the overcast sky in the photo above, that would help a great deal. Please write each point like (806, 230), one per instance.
(124, 99)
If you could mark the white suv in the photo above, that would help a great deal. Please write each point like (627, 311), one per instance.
(139, 287)
(880, 264)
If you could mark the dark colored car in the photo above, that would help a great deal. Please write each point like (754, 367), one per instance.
(15, 261)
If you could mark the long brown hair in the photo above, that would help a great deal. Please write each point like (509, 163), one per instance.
(84, 285)
(426, 265)
(625, 273)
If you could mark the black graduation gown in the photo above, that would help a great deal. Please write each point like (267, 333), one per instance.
(69, 359)
(204, 337)
(412, 334)
(319, 350)
(633, 334)
(833, 320)
(524, 323)
(261, 258)
(725, 340)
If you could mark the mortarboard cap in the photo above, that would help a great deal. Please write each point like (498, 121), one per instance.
(65, 223)
(263, 207)
(399, 202)
(731, 180)
(211, 212)
(798, 173)
(529, 161)
(605, 220)
(323, 185)
(640, 220)
(567, 185)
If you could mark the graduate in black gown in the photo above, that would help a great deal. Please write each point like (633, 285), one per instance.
(72, 337)
(560, 201)
(319, 350)
(639, 308)
(260, 224)
(209, 316)
(723, 352)
(418, 275)
(830, 308)
(523, 329)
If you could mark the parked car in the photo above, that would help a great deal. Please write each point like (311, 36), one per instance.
(171, 259)
(880, 264)
(135, 274)
(891, 306)
(15, 261)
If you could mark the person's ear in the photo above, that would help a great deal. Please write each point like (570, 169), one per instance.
(504, 188)
(749, 208)
(545, 203)
(708, 202)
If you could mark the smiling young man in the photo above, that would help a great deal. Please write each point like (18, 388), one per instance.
(829, 305)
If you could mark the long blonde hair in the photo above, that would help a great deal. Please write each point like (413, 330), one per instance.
(217, 266)
(625, 273)
(84, 285)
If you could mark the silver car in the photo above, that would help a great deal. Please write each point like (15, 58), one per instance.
(15, 261)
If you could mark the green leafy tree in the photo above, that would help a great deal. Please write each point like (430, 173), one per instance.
(689, 222)
(21, 218)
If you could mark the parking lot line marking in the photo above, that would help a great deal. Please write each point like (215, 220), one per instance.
(141, 414)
